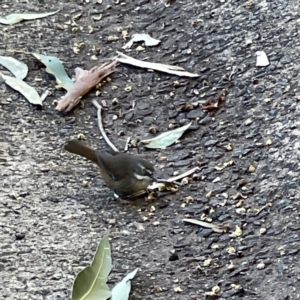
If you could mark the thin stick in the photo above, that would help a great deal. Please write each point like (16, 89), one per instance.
(99, 110)
(214, 227)
(234, 70)
(45, 95)
(127, 144)
(158, 184)
(187, 173)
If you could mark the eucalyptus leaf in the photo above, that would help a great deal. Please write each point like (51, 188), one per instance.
(166, 138)
(16, 18)
(26, 90)
(18, 68)
(214, 227)
(90, 283)
(55, 68)
(122, 289)
(175, 70)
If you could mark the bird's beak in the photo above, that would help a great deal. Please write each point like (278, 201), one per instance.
(154, 178)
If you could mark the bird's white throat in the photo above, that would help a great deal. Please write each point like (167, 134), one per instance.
(141, 177)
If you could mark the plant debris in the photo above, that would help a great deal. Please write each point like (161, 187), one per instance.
(122, 289)
(175, 70)
(84, 82)
(55, 68)
(16, 18)
(18, 68)
(262, 59)
(165, 139)
(91, 281)
(226, 164)
(216, 228)
(139, 37)
(99, 111)
(213, 107)
(26, 90)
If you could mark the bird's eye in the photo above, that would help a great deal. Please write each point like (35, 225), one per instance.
(144, 171)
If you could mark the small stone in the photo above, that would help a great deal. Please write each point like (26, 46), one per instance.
(231, 250)
(241, 211)
(174, 257)
(207, 262)
(211, 143)
(153, 129)
(205, 121)
(228, 147)
(263, 230)
(81, 136)
(260, 266)
(178, 289)
(115, 101)
(252, 169)
(19, 236)
(248, 121)
(195, 113)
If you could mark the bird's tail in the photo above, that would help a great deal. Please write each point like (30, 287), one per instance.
(81, 149)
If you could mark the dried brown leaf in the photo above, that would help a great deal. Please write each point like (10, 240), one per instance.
(213, 107)
(185, 107)
(84, 82)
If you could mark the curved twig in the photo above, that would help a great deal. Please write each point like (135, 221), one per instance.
(99, 110)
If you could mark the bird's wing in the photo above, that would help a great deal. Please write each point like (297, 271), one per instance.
(114, 164)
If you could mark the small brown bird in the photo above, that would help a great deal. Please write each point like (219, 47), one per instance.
(125, 174)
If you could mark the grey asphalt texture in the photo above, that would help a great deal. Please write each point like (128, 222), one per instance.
(54, 207)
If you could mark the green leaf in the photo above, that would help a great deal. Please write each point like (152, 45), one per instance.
(122, 289)
(90, 283)
(16, 18)
(26, 90)
(166, 138)
(55, 68)
(15, 66)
